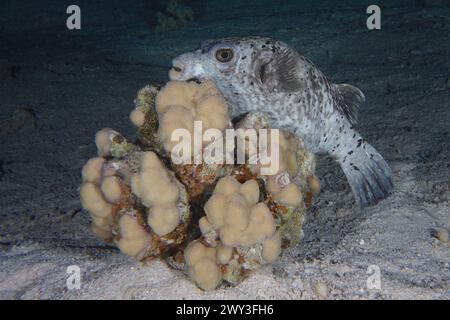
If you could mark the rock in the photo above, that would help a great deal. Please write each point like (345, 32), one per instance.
(441, 234)
(321, 290)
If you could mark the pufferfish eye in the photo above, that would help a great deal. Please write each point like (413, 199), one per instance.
(224, 55)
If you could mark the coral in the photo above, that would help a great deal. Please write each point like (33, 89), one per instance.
(215, 222)
(164, 212)
(441, 234)
(239, 231)
(145, 117)
(202, 263)
(179, 104)
(295, 174)
(21, 117)
(126, 206)
(175, 16)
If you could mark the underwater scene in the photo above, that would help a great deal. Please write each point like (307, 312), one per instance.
(224, 150)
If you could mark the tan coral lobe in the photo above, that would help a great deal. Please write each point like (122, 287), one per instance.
(103, 142)
(240, 222)
(111, 188)
(137, 117)
(163, 220)
(314, 184)
(224, 254)
(203, 268)
(289, 195)
(180, 103)
(206, 274)
(272, 248)
(227, 186)
(154, 185)
(92, 170)
(93, 201)
(133, 237)
(250, 191)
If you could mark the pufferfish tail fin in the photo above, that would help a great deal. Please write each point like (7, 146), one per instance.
(348, 99)
(368, 174)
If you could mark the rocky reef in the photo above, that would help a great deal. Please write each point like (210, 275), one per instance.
(216, 222)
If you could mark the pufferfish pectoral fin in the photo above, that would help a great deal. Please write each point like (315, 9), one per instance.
(348, 100)
(279, 71)
(288, 76)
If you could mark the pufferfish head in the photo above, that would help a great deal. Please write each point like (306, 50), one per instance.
(261, 62)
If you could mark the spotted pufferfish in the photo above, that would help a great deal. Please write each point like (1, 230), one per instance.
(264, 74)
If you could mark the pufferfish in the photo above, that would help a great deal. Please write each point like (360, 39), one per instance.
(264, 74)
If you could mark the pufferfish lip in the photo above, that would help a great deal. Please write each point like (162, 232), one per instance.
(176, 70)
(175, 73)
(196, 80)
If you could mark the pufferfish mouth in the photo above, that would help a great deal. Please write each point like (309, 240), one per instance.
(184, 68)
(177, 73)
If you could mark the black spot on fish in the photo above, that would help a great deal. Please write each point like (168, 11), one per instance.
(244, 57)
(350, 152)
(360, 140)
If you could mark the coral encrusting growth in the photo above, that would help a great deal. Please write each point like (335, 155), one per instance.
(214, 221)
